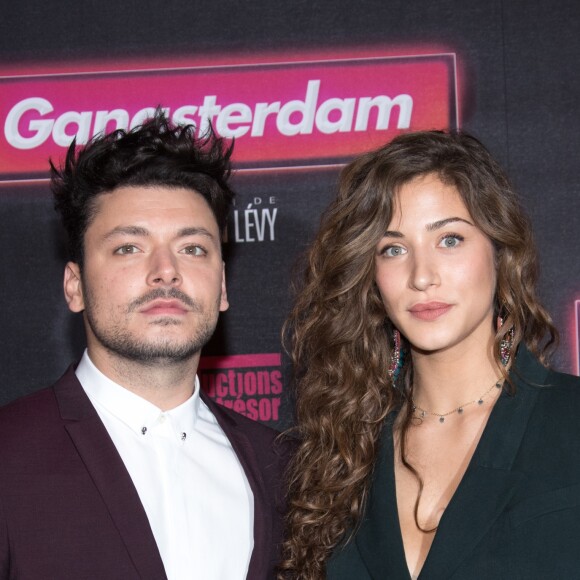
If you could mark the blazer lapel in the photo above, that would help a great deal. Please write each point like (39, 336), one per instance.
(489, 483)
(477, 503)
(378, 539)
(244, 450)
(109, 475)
(482, 495)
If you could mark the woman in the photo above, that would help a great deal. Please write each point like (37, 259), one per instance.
(435, 444)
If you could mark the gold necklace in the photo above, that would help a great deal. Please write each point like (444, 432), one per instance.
(422, 413)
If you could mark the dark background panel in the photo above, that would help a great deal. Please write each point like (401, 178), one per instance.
(542, 54)
(38, 335)
(518, 89)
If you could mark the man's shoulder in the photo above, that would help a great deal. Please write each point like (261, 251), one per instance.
(28, 407)
(32, 416)
(28, 427)
(260, 436)
(234, 418)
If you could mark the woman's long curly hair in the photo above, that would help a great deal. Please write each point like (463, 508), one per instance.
(339, 336)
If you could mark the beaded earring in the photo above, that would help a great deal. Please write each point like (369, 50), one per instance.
(397, 358)
(506, 343)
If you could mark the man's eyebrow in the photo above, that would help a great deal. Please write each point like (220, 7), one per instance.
(442, 223)
(193, 231)
(144, 232)
(126, 231)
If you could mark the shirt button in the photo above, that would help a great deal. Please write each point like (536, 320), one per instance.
(162, 419)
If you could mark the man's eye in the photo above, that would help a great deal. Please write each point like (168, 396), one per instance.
(194, 250)
(126, 249)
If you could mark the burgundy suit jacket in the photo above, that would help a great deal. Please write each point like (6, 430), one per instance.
(69, 509)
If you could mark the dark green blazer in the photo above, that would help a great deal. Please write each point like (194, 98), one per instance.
(516, 512)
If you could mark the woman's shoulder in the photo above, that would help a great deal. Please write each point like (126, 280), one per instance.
(559, 396)
(554, 421)
(530, 372)
(563, 381)
(556, 394)
(555, 384)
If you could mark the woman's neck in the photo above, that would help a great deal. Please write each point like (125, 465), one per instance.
(447, 379)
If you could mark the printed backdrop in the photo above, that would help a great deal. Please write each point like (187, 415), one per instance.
(303, 87)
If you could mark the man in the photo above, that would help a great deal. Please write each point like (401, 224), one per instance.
(124, 468)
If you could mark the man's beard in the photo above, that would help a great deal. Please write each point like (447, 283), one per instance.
(118, 340)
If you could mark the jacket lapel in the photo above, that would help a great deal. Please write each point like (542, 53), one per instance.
(478, 501)
(476, 505)
(489, 482)
(109, 475)
(259, 562)
(379, 539)
(485, 490)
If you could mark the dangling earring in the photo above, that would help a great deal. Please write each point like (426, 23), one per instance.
(506, 343)
(397, 357)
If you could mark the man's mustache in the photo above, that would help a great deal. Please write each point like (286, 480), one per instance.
(167, 294)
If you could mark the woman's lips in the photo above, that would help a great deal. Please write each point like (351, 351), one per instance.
(429, 310)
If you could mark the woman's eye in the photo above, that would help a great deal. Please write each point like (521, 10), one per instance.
(126, 249)
(394, 251)
(451, 241)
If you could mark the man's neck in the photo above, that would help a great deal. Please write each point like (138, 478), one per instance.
(165, 384)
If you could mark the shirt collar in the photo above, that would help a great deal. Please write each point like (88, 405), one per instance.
(131, 409)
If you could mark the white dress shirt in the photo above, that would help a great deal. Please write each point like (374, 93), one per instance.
(194, 490)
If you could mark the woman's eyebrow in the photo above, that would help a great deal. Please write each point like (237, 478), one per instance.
(442, 223)
(429, 227)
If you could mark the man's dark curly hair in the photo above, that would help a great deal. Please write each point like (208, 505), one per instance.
(157, 153)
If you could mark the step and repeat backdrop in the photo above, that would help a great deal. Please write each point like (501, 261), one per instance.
(303, 87)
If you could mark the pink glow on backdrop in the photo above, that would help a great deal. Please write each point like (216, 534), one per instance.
(240, 361)
(576, 336)
(214, 60)
(430, 80)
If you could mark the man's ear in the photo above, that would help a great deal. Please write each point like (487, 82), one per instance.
(73, 287)
(224, 304)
